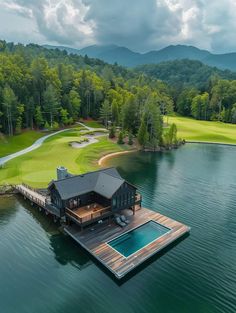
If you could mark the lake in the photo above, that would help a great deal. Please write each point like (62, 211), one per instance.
(43, 271)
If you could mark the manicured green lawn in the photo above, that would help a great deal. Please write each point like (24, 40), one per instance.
(94, 124)
(38, 167)
(205, 131)
(13, 144)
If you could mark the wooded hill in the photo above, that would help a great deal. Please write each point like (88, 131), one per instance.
(42, 88)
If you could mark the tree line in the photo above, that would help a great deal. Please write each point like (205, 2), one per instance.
(47, 89)
(198, 90)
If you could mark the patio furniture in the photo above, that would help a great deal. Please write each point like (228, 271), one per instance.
(119, 222)
(124, 219)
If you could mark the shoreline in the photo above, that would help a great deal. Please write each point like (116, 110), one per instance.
(211, 143)
(113, 154)
(103, 159)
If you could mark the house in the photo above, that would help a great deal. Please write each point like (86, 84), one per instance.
(92, 197)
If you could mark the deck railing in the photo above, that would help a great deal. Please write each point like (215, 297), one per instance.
(30, 196)
(138, 197)
(89, 217)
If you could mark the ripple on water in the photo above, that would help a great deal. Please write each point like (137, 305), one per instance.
(196, 184)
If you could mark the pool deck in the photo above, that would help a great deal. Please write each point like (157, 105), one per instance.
(94, 240)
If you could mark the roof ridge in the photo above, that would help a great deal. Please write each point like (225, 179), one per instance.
(83, 174)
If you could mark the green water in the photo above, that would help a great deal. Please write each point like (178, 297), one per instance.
(138, 238)
(42, 271)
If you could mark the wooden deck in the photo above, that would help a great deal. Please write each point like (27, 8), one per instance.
(87, 213)
(94, 240)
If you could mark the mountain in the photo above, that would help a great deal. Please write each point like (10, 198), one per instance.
(126, 57)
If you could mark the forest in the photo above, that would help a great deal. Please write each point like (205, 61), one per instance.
(48, 89)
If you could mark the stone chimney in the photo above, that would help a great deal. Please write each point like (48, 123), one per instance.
(62, 173)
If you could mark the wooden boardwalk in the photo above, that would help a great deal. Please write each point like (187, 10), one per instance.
(32, 194)
(94, 240)
(37, 198)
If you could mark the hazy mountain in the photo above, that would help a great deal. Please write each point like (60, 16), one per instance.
(127, 57)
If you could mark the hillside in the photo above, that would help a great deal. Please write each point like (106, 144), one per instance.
(185, 72)
(126, 57)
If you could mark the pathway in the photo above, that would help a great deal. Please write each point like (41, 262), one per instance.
(34, 146)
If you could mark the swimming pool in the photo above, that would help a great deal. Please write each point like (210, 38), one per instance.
(138, 238)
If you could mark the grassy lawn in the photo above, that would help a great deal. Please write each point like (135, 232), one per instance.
(94, 124)
(38, 167)
(13, 144)
(205, 131)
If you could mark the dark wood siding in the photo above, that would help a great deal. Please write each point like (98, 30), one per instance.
(124, 198)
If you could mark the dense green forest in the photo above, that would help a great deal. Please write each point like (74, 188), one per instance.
(198, 90)
(43, 89)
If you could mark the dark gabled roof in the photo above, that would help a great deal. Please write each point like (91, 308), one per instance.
(104, 182)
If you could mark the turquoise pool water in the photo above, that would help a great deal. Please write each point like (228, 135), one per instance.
(138, 238)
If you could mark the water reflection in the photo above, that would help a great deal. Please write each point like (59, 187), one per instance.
(65, 249)
(8, 209)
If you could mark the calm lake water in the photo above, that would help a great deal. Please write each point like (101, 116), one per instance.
(43, 271)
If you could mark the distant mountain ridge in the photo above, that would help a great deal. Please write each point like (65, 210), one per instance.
(126, 57)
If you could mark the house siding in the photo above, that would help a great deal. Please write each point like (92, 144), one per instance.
(124, 198)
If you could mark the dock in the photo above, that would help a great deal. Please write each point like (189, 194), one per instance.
(95, 240)
(95, 237)
(37, 198)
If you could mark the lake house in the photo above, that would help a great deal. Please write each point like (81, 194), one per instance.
(103, 213)
(91, 197)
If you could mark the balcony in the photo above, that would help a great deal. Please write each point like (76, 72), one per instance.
(88, 214)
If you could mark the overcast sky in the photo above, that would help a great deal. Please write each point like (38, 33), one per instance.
(140, 25)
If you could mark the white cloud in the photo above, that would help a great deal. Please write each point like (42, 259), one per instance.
(138, 24)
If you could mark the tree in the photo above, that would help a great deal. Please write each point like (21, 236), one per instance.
(105, 112)
(120, 140)
(154, 122)
(233, 114)
(130, 140)
(184, 101)
(20, 111)
(38, 117)
(173, 134)
(64, 115)
(51, 103)
(130, 115)
(112, 132)
(115, 112)
(75, 103)
(143, 133)
(200, 106)
(10, 108)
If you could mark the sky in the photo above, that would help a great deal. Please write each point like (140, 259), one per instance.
(140, 25)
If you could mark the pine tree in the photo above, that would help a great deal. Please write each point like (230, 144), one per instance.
(130, 141)
(38, 117)
(120, 140)
(112, 132)
(105, 112)
(143, 134)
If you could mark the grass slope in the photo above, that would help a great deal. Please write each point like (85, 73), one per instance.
(16, 143)
(204, 131)
(38, 167)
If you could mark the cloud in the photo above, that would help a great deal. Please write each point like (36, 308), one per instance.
(137, 24)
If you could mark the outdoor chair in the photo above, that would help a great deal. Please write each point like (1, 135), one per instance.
(124, 219)
(119, 222)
